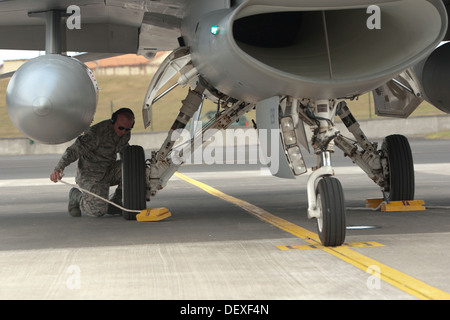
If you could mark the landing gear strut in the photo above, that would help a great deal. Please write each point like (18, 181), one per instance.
(392, 167)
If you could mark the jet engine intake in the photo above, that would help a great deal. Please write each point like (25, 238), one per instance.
(434, 75)
(52, 98)
(314, 49)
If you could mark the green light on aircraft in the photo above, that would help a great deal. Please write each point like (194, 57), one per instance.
(215, 30)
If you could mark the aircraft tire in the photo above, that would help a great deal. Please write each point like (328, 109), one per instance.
(400, 184)
(133, 181)
(332, 224)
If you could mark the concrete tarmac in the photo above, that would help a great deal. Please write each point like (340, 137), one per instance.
(213, 249)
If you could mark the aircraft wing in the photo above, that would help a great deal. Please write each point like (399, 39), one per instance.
(250, 50)
(107, 26)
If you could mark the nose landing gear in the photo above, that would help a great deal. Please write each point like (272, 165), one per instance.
(392, 167)
(326, 202)
(332, 213)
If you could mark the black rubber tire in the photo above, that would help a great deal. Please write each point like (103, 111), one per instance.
(133, 181)
(332, 226)
(400, 184)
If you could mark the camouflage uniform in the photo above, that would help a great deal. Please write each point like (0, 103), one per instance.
(98, 167)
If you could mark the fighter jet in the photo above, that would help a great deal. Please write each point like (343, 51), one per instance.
(297, 62)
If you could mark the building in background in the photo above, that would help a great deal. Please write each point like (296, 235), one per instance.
(128, 64)
(12, 65)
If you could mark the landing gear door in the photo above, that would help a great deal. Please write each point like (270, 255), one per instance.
(399, 97)
(171, 66)
(284, 161)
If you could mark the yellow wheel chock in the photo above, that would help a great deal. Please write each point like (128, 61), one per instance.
(396, 206)
(157, 214)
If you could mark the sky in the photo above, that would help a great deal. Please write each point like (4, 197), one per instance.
(21, 54)
(18, 54)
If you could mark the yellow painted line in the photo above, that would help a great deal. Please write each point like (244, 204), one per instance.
(367, 244)
(394, 277)
(260, 213)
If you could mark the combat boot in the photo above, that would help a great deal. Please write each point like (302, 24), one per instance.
(74, 202)
(117, 199)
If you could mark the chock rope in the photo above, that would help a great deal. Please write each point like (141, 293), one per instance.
(364, 208)
(97, 196)
(140, 211)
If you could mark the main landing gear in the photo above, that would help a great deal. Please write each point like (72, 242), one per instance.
(391, 167)
(398, 170)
